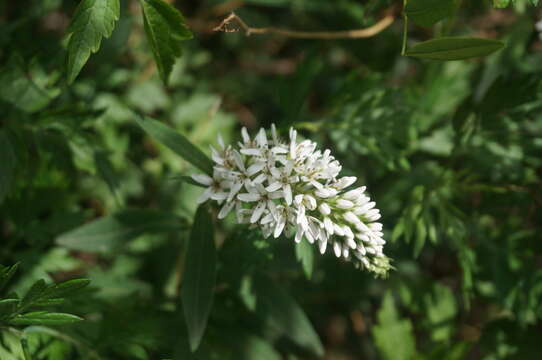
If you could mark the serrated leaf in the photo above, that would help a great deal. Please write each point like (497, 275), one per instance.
(281, 315)
(176, 142)
(92, 21)
(112, 231)
(428, 12)
(199, 276)
(454, 48)
(44, 318)
(304, 252)
(394, 337)
(166, 29)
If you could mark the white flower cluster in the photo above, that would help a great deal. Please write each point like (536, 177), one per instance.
(294, 188)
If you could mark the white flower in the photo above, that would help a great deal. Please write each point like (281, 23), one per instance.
(292, 188)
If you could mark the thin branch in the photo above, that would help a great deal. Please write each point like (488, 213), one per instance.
(228, 25)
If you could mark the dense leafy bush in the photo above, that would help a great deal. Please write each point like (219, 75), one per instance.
(108, 107)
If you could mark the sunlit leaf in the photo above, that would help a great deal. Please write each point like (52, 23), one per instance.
(93, 20)
(394, 336)
(166, 30)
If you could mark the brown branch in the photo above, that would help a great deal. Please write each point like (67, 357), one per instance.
(227, 23)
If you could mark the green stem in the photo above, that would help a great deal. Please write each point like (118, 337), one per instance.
(405, 30)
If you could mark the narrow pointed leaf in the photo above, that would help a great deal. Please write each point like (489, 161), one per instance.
(176, 142)
(454, 48)
(92, 21)
(166, 29)
(199, 276)
(113, 231)
(44, 318)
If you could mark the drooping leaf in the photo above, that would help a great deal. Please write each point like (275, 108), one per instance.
(166, 30)
(454, 48)
(92, 21)
(428, 12)
(281, 315)
(394, 336)
(44, 318)
(199, 276)
(176, 142)
(112, 231)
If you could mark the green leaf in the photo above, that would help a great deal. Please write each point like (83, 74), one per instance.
(26, 86)
(454, 48)
(92, 21)
(428, 12)
(6, 273)
(44, 318)
(105, 169)
(34, 294)
(112, 231)
(255, 347)
(394, 337)
(176, 142)
(441, 310)
(66, 288)
(501, 3)
(166, 29)
(8, 307)
(304, 252)
(199, 276)
(281, 315)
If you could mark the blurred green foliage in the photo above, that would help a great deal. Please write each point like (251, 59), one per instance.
(451, 151)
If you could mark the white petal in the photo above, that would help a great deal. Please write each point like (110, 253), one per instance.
(273, 187)
(288, 194)
(238, 160)
(324, 209)
(322, 246)
(257, 213)
(251, 152)
(226, 209)
(219, 196)
(206, 195)
(203, 179)
(220, 141)
(255, 168)
(259, 179)
(234, 190)
(248, 197)
(344, 204)
(337, 249)
(279, 227)
(244, 135)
